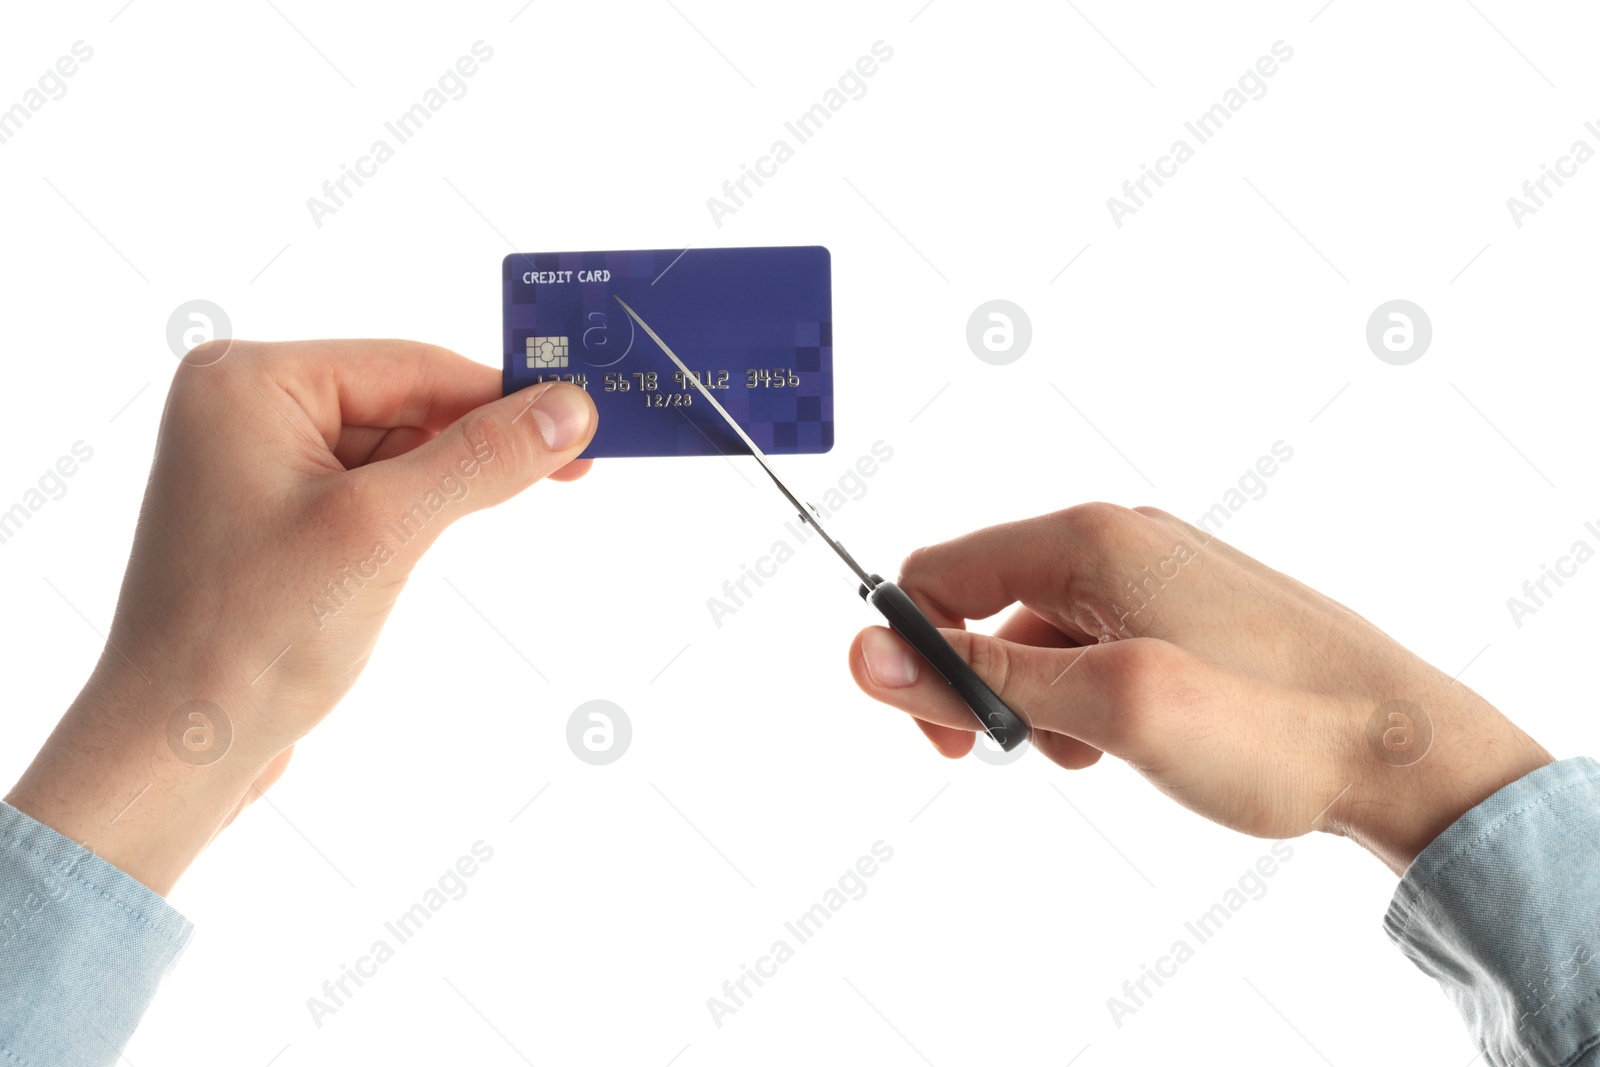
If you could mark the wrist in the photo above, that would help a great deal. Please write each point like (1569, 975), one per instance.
(1396, 811)
(141, 774)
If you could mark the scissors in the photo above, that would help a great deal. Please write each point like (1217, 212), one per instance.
(1003, 725)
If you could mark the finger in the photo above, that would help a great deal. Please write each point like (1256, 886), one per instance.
(1055, 564)
(947, 741)
(950, 741)
(488, 455)
(265, 780)
(273, 771)
(360, 445)
(1024, 626)
(952, 744)
(379, 383)
(572, 471)
(1105, 695)
(1066, 751)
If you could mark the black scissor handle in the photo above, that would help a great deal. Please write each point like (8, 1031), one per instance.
(906, 619)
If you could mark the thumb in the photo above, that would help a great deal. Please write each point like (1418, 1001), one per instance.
(488, 455)
(1103, 695)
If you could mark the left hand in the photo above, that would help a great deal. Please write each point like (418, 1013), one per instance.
(294, 487)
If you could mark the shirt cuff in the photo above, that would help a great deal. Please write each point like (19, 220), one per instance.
(83, 947)
(1503, 910)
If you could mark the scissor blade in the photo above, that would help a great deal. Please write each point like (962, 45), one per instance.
(755, 450)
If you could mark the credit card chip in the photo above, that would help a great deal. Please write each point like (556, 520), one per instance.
(546, 352)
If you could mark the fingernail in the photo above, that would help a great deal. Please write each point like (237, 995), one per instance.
(562, 413)
(889, 662)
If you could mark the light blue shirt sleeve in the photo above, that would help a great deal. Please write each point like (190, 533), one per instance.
(83, 947)
(1503, 910)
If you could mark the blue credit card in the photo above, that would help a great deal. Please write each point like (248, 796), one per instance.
(755, 325)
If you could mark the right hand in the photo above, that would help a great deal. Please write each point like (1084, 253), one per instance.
(1242, 694)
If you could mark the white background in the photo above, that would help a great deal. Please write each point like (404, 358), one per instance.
(1226, 315)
